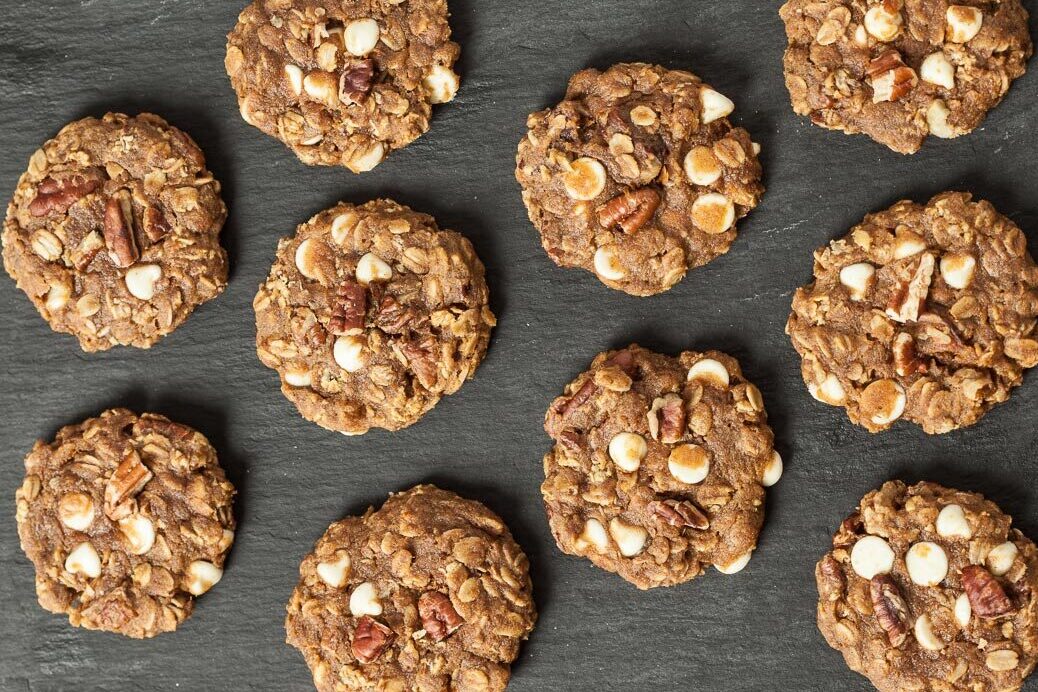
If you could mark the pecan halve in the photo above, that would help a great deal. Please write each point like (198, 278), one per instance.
(57, 195)
(118, 229)
(630, 211)
(987, 597)
(439, 618)
(680, 513)
(129, 478)
(370, 639)
(907, 301)
(890, 608)
(155, 224)
(351, 306)
(356, 81)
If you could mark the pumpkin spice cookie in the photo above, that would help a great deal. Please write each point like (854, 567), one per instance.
(127, 519)
(928, 588)
(637, 176)
(113, 232)
(925, 313)
(429, 592)
(899, 71)
(659, 465)
(371, 314)
(342, 82)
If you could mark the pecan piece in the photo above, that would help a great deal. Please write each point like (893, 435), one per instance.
(351, 305)
(419, 353)
(87, 250)
(987, 597)
(370, 639)
(910, 296)
(890, 608)
(671, 417)
(906, 360)
(394, 318)
(356, 81)
(57, 195)
(439, 618)
(890, 78)
(630, 211)
(833, 573)
(680, 513)
(129, 478)
(623, 360)
(155, 224)
(118, 229)
(848, 532)
(571, 441)
(566, 406)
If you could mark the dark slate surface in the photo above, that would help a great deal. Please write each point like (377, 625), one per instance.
(64, 60)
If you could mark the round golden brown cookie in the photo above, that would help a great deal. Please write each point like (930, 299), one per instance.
(925, 313)
(342, 82)
(659, 465)
(429, 592)
(928, 588)
(899, 70)
(370, 314)
(114, 231)
(637, 176)
(126, 518)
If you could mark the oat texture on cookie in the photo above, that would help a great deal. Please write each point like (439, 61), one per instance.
(929, 588)
(126, 519)
(923, 312)
(659, 466)
(637, 176)
(342, 82)
(900, 70)
(429, 592)
(113, 232)
(371, 314)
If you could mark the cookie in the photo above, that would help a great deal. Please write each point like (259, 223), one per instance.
(370, 314)
(637, 176)
(922, 313)
(659, 465)
(928, 588)
(342, 82)
(114, 231)
(127, 519)
(898, 71)
(429, 592)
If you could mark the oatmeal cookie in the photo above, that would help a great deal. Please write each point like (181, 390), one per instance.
(126, 518)
(370, 314)
(637, 176)
(114, 231)
(429, 592)
(342, 82)
(928, 588)
(659, 465)
(899, 70)
(925, 313)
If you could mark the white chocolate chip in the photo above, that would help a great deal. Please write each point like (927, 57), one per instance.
(58, 297)
(908, 244)
(141, 279)
(202, 576)
(348, 352)
(887, 399)
(737, 565)
(368, 159)
(952, 523)
(643, 116)
(1002, 660)
(342, 225)
(364, 600)
(441, 84)
(76, 511)
(607, 263)
(958, 268)
(84, 560)
(858, 278)
(371, 267)
(870, 556)
(305, 259)
(829, 392)
(927, 563)
(963, 610)
(295, 79)
(298, 377)
(585, 179)
(701, 166)
(883, 24)
(595, 535)
(713, 213)
(715, 105)
(710, 372)
(627, 450)
(689, 463)
(629, 538)
(937, 120)
(924, 634)
(773, 470)
(1000, 559)
(139, 532)
(964, 23)
(361, 36)
(937, 69)
(334, 573)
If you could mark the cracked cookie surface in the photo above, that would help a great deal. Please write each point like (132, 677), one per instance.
(659, 465)
(127, 519)
(925, 313)
(113, 232)
(429, 592)
(637, 176)
(929, 588)
(899, 70)
(371, 314)
(342, 82)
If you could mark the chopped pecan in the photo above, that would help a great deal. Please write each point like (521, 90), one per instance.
(566, 406)
(356, 81)
(630, 211)
(351, 306)
(890, 608)
(155, 224)
(370, 639)
(571, 441)
(420, 354)
(833, 573)
(622, 359)
(87, 250)
(890, 78)
(439, 618)
(129, 478)
(680, 513)
(987, 597)
(118, 229)
(166, 428)
(907, 301)
(671, 417)
(848, 532)
(939, 332)
(394, 318)
(906, 360)
(58, 194)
